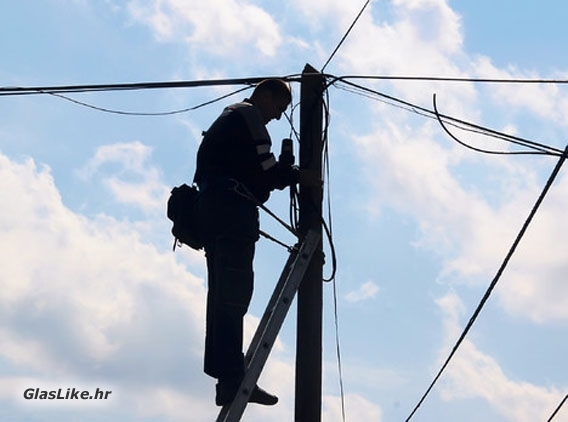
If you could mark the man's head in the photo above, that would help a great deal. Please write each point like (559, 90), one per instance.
(272, 97)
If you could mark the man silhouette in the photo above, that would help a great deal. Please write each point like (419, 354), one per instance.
(235, 171)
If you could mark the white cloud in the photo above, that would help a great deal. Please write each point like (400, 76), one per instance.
(219, 27)
(357, 408)
(543, 100)
(473, 374)
(469, 220)
(336, 10)
(89, 299)
(131, 180)
(427, 31)
(414, 174)
(132, 156)
(366, 291)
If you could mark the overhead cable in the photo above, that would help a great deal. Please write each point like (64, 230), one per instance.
(345, 35)
(557, 409)
(458, 79)
(485, 151)
(452, 120)
(137, 86)
(329, 230)
(35, 90)
(250, 81)
(138, 113)
(495, 280)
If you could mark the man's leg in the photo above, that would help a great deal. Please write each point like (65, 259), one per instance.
(230, 291)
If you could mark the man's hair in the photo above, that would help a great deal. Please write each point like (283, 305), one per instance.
(277, 87)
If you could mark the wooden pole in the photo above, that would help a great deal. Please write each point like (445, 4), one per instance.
(310, 293)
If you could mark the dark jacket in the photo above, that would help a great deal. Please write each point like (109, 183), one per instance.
(237, 146)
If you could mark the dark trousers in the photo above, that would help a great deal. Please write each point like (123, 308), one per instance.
(230, 285)
(231, 231)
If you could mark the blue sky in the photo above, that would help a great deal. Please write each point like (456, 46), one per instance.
(93, 297)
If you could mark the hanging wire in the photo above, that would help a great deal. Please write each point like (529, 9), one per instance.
(405, 105)
(294, 195)
(137, 113)
(484, 151)
(495, 280)
(538, 148)
(329, 226)
(341, 82)
(35, 90)
(294, 134)
(325, 165)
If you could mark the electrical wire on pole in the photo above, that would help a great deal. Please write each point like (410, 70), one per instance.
(444, 120)
(493, 282)
(534, 147)
(345, 35)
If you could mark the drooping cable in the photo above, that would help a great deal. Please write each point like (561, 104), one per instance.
(495, 280)
(35, 90)
(290, 118)
(397, 102)
(484, 151)
(328, 227)
(7, 91)
(137, 113)
(294, 195)
(325, 165)
(538, 148)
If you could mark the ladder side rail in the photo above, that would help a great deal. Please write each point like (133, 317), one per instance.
(265, 320)
(270, 306)
(234, 411)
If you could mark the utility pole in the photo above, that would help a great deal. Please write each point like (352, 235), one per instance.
(310, 293)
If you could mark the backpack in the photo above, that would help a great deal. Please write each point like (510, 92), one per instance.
(182, 211)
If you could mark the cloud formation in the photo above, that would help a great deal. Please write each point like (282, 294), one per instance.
(131, 180)
(367, 290)
(219, 27)
(474, 374)
(89, 299)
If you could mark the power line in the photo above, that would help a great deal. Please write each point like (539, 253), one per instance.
(250, 81)
(329, 230)
(35, 90)
(397, 102)
(485, 151)
(557, 409)
(432, 114)
(495, 279)
(345, 35)
(458, 79)
(59, 91)
(136, 113)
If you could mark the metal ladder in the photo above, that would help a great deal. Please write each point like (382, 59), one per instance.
(270, 324)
